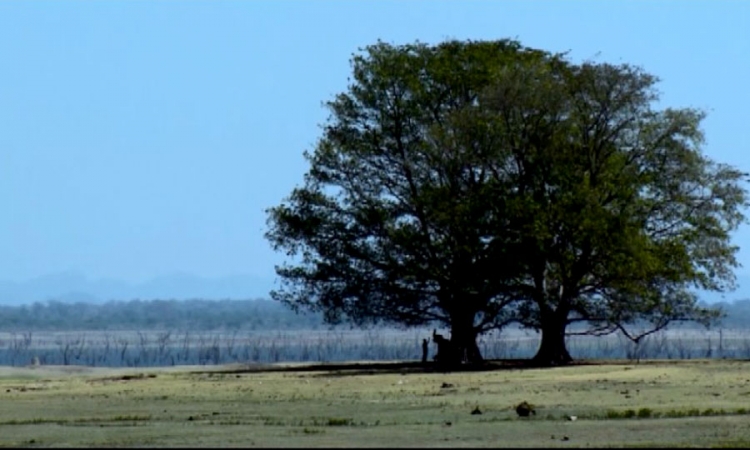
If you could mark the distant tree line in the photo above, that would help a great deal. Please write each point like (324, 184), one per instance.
(198, 315)
(206, 315)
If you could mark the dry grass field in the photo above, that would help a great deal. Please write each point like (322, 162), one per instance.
(702, 403)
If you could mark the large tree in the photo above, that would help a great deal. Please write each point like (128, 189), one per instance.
(392, 223)
(481, 183)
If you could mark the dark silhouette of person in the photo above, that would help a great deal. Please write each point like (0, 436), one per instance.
(425, 349)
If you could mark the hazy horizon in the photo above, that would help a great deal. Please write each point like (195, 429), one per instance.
(73, 286)
(146, 139)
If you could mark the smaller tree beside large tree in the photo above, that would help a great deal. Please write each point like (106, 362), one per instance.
(620, 213)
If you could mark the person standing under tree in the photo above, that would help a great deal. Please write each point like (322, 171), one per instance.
(425, 350)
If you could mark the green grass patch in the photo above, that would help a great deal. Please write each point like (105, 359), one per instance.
(131, 418)
(644, 413)
(648, 413)
(33, 421)
(339, 422)
(613, 414)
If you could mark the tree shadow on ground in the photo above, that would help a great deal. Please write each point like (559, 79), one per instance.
(383, 368)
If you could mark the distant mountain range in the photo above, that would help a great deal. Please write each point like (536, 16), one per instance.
(76, 287)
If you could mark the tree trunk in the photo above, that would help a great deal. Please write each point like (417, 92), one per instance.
(552, 350)
(462, 346)
(466, 349)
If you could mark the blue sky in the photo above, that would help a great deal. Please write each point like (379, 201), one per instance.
(143, 138)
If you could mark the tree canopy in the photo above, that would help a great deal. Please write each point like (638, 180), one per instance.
(477, 184)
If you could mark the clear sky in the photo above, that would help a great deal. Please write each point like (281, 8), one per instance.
(143, 138)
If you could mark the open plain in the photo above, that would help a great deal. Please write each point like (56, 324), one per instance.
(654, 403)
